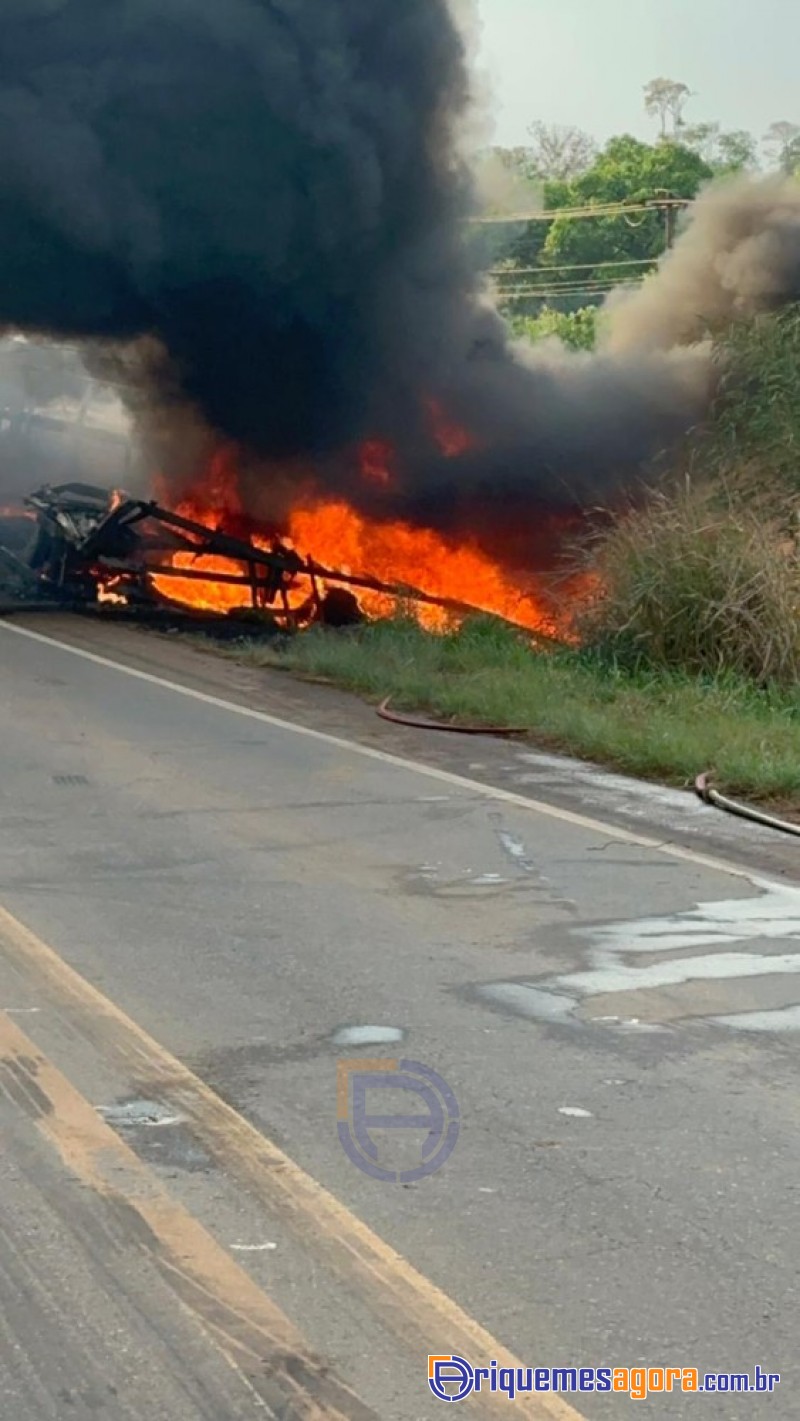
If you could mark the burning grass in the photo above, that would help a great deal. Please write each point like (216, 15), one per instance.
(657, 724)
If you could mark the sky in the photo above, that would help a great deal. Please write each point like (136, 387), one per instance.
(585, 62)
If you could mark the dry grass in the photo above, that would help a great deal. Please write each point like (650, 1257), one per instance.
(756, 417)
(702, 580)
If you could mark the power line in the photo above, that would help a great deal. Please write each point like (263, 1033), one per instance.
(533, 293)
(579, 266)
(603, 285)
(577, 214)
(545, 284)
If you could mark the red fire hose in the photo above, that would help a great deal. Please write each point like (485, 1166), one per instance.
(421, 724)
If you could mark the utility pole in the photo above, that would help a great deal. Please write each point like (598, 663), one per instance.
(665, 200)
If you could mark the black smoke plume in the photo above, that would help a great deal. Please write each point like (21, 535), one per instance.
(267, 186)
(269, 195)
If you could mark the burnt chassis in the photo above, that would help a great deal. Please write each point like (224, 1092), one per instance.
(88, 542)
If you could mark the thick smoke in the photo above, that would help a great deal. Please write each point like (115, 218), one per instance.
(269, 195)
(739, 255)
(559, 427)
(267, 186)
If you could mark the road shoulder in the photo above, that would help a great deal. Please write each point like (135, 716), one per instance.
(663, 814)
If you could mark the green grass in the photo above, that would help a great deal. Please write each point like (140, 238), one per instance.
(655, 724)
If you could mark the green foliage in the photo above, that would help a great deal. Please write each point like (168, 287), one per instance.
(756, 416)
(736, 152)
(666, 99)
(576, 329)
(626, 171)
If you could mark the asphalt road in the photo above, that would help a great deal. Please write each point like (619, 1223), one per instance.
(199, 892)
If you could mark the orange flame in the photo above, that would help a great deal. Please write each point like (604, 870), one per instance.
(10, 510)
(398, 554)
(108, 597)
(451, 438)
(337, 537)
(375, 460)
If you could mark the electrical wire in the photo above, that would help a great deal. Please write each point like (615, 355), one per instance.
(529, 293)
(578, 266)
(581, 214)
(563, 288)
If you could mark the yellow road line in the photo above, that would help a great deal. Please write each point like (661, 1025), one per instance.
(273, 1359)
(418, 1313)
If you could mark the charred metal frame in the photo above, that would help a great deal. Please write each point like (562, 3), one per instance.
(89, 540)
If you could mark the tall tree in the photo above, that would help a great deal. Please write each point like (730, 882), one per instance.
(724, 152)
(737, 151)
(560, 152)
(666, 99)
(781, 145)
(702, 138)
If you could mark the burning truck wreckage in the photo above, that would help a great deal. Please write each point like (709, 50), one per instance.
(254, 230)
(88, 546)
(201, 558)
(82, 547)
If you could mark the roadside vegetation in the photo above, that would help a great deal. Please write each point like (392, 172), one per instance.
(703, 580)
(658, 724)
(687, 658)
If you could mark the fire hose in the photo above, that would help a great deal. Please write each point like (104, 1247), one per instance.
(702, 784)
(417, 723)
(703, 787)
(709, 795)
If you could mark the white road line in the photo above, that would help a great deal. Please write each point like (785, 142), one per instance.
(491, 792)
